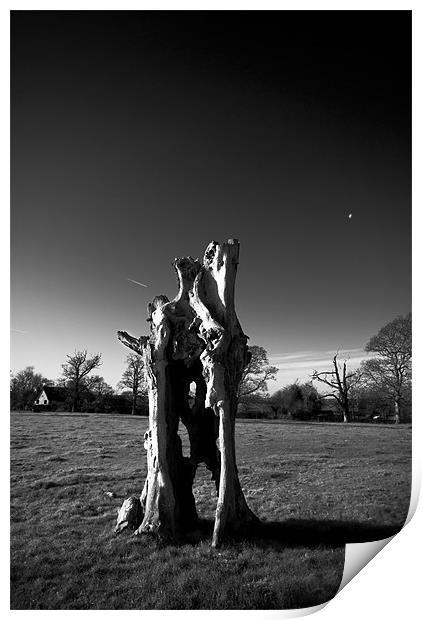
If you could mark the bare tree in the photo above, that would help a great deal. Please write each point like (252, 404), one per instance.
(257, 373)
(342, 385)
(391, 370)
(97, 386)
(99, 392)
(133, 378)
(75, 372)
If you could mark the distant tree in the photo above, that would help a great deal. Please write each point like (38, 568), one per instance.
(391, 370)
(75, 373)
(311, 398)
(288, 399)
(297, 399)
(133, 379)
(370, 400)
(99, 392)
(256, 374)
(341, 384)
(24, 386)
(97, 386)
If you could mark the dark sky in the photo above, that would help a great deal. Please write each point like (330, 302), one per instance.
(141, 136)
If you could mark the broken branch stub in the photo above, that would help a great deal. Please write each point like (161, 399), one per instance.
(196, 338)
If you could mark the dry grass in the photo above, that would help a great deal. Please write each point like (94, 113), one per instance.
(314, 486)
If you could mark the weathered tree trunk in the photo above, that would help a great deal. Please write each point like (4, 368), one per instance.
(75, 404)
(194, 338)
(346, 412)
(397, 411)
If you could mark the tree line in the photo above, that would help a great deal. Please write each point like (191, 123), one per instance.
(380, 387)
(79, 389)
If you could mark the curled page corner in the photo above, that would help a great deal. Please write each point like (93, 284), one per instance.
(270, 614)
(358, 555)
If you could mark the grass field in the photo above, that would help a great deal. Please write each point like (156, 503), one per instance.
(314, 486)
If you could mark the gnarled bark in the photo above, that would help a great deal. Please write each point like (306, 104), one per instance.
(194, 338)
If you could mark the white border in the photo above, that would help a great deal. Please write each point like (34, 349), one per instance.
(389, 586)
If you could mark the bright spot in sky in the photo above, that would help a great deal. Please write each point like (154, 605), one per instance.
(350, 216)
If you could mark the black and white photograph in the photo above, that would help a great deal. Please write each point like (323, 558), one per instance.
(211, 304)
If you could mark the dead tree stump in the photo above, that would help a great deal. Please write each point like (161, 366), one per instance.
(196, 338)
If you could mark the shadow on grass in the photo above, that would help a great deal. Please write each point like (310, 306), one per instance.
(303, 533)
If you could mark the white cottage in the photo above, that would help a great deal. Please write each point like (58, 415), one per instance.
(50, 396)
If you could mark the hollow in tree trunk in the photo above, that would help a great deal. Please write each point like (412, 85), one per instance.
(196, 338)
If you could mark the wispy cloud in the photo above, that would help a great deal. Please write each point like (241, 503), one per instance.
(305, 358)
(317, 363)
(301, 364)
(136, 282)
(292, 356)
(18, 331)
